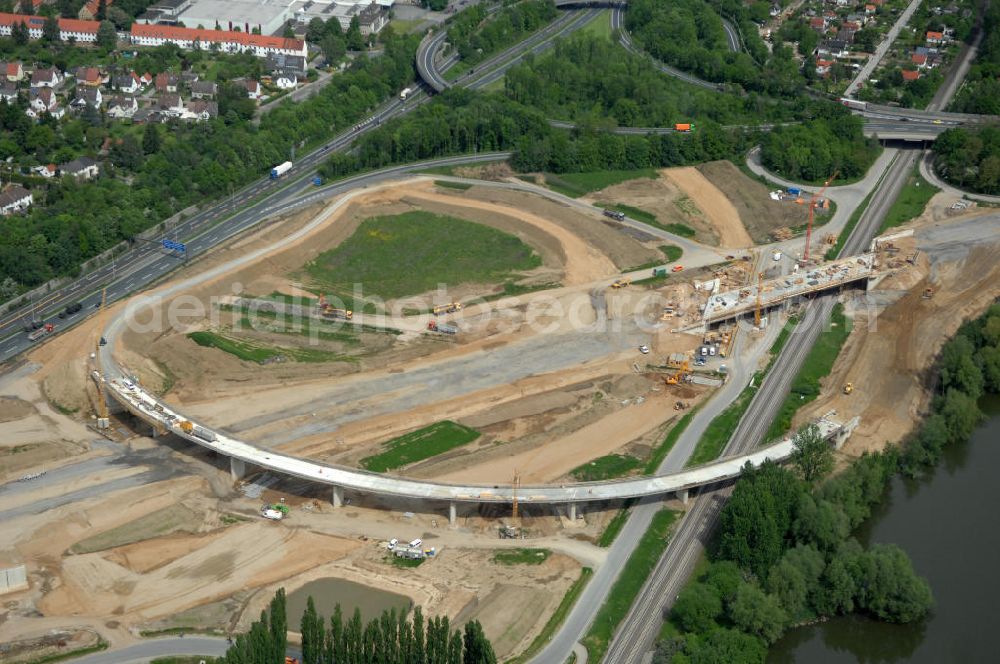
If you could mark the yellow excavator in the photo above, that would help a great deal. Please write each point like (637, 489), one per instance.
(848, 388)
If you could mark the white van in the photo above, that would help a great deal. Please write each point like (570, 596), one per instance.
(416, 543)
(392, 543)
(704, 351)
(711, 351)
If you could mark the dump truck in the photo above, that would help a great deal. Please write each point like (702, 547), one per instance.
(204, 434)
(280, 170)
(44, 330)
(449, 308)
(443, 328)
(684, 127)
(615, 214)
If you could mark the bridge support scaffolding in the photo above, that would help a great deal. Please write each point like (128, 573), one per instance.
(237, 468)
(338, 496)
(452, 513)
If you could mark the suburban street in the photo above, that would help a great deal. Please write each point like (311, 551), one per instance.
(875, 58)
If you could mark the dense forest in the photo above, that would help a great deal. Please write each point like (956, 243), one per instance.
(172, 166)
(393, 638)
(969, 157)
(980, 93)
(814, 150)
(784, 553)
(689, 35)
(475, 38)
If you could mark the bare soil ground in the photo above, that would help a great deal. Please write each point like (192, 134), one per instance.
(719, 210)
(760, 215)
(897, 333)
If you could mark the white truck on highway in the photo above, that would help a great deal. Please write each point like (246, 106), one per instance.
(280, 170)
(405, 93)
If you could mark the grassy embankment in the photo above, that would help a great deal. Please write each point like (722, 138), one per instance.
(910, 203)
(410, 253)
(521, 556)
(418, 445)
(623, 593)
(253, 351)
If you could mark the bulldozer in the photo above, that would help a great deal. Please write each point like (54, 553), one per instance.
(848, 388)
(621, 283)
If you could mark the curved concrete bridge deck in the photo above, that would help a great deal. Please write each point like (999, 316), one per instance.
(166, 419)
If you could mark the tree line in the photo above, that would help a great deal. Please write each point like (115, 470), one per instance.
(393, 638)
(969, 157)
(814, 150)
(784, 552)
(980, 92)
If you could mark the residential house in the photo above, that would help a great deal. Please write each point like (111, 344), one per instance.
(823, 66)
(8, 91)
(846, 35)
(89, 11)
(89, 76)
(15, 199)
(91, 97)
(818, 24)
(189, 78)
(45, 78)
(122, 106)
(869, 10)
(146, 79)
(42, 101)
(128, 83)
(13, 71)
(227, 41)
(204, 90)
(935, 37)
(45, 170)
(253, 89)
(166, 82)
(146, 115)
(919, 59)
(910, 75)
(170, 104)
(851, 25)
(83, 168)
(287, 81)
(202, 109)
(833, 49)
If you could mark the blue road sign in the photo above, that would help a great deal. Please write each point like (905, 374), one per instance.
(173, 246)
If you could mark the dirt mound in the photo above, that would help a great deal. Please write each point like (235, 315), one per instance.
(718, 209)
(13, 408)
(762, 217)
(65, 386)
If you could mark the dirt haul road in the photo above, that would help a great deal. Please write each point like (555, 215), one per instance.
(721, 213)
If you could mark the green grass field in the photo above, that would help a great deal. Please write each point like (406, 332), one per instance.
(606, 467)
(600, 26)
(579, 184)
(633, 575)
(557, 618)
(419, 445)
(252, 351)
(447, 184)
(912, 200)
(661, 451)
(817, 365)
(719, 430)
(521, 556)
(413, 252)
(615, 525)
(677, 228)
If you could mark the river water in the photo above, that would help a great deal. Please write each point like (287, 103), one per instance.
(947, 523)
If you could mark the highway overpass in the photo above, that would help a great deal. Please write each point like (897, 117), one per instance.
(244, 456)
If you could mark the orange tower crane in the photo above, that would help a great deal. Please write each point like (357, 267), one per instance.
(812, 207)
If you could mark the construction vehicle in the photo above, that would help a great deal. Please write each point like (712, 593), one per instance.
(848, 388)
(912, 258)
(678, 375)
(659, 271)
(680, 405)
(185, 426)
(44, 330)
(621, 283)
(449, 308)
(342, 314)
(928, 293)
(615, 214)
(443, 328)
(684, 127)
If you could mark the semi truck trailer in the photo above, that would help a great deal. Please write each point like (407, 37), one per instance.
(280, 170)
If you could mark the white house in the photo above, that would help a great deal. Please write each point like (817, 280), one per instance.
(43, 100)
(223, 40)
(123, 106)
(45, 78)
(286, 81)
(128, 83)
(83, 168)
(15, 199)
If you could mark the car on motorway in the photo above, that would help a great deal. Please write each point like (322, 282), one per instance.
(938, 122)
(677, 268)
(644, 349)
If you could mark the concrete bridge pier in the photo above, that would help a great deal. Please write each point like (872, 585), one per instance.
(571, 511)
(338, 496)
(682, 496)
(452, 514)
(237, 468)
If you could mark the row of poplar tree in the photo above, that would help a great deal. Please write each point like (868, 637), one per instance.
(393, 638)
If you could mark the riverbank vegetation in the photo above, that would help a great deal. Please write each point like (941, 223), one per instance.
(784, 554)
